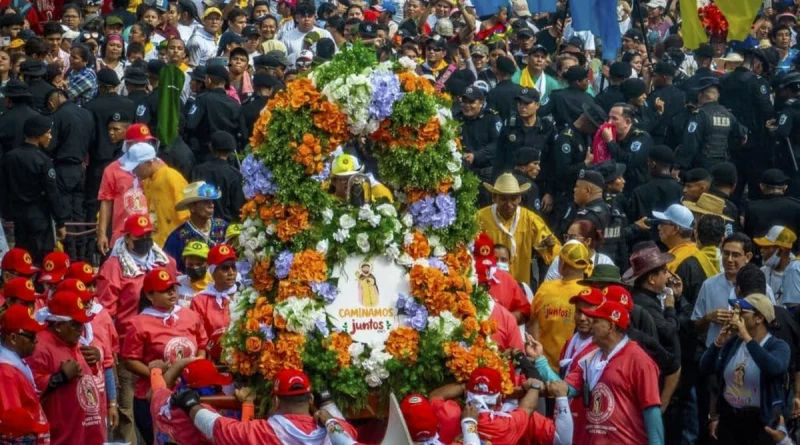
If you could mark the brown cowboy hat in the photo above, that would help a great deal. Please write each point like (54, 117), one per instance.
(645, 260)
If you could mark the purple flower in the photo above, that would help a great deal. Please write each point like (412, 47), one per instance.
(326, 290)
(438, 264)
(403, 301)
(323, 175)
(385, 92)
(283, 263)
(322, 327)
(257, 178)
(435, 213)
(267, 331)
(420, 319)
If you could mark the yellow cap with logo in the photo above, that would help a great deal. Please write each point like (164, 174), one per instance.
(196, 248)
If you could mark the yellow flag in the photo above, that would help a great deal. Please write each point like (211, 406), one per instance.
(740, 15)
(692, 31)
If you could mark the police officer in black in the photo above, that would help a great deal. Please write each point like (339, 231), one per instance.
(32, 71)
(631, 145)
(68, 148)
(710, 131)
(501, 97)
(774, 209)
(704, 56)
(635, 92)
(566, 105)
(264, 86)
(525, 128)
(666, 100)
(588, 201)
(786, 131)
(220, 172)
(480, 129)
(29, 192)
(617, 232)
(617, 73)
(526, 170)
(18, 102)
(214, 110)
(723, 184)
(661, 191)
(136, 85)
(571, 153)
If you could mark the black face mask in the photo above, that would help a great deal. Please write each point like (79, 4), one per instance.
(196, 273)
(142, 246)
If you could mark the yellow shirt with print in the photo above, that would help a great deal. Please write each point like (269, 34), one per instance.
(531, 231)
(556, 316)
(163, 190)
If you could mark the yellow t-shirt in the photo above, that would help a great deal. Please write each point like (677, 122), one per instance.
(556, 316)
(163, 190)
(531, 230)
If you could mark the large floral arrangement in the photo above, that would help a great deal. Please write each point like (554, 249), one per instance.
(295, 233)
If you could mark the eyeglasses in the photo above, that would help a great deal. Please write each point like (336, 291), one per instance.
(303, 64)
(227, 267)
(570, 237)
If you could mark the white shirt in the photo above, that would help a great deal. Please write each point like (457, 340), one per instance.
(201, 47)
(294, 39)
(186, 31)
(743, 379)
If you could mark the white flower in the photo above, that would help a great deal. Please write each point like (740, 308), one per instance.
(408, 238)
(374, 220)
(392, 251)
(453, 167)
(327, 216)
(387, 239)
(408, 220)
(387, 209)
(356, 349)
(251, 244)
(322, 247)
(405, 260)
(373, 381)
(457, 182)
(397, 226)
(434, 240)
(300, 314)
(452, 146)
(365, 212)
(439, 251)
(383, 373)
(347, 222)
(407, 63)
(445, 323)
(362, 240)
(341, 235)
(270, 229)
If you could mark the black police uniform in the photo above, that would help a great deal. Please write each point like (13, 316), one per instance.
(516, 135)
(658, 193)
(68, 150)
(531, 200)
(689, 86)
(11, 123)
(214, 110)
(597, 211)
(251, 109)
(479, 137)
(179, 156)
(39, 90)
(29, 197)
(139, 98)
(565, 105)
(674, 102)
(633, 152)
(709, 132)
(615, 244)
(229, 181)
(151, 109)
(501, 99)
(612, 95)
(561, 167)
(772, 210)
(787, 143)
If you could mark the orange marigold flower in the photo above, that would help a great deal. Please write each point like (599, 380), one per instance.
(428, 134)
(252, 325)
(262, 280)
(471, 326)
(260, 129)
(309, 265)
(290, 288)
(419, 247)
(466, 308)
(414, 194)
(243, 364)
(403, 344)
(301, 93)
(280, 323)
(308, 153)
(488, 327)
(340, 343)
(253, 344)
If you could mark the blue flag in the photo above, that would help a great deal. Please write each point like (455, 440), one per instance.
(542, 6)
(489, 7)
(599, 17)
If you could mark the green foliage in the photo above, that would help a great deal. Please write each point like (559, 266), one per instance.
(345, 63)
(427, 373)
(345, 384)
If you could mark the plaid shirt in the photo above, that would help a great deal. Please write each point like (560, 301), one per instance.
(82, 85)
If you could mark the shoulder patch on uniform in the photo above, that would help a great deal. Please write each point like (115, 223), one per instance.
(636, 146)
(782, 120)
(692, 127)
(512, 137)
(498, 126)
(545, 100)
(140, 110)
(566, 148)
(763, 89)
(51, 173)
(193, 110)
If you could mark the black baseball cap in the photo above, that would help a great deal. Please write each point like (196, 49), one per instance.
(705, 50)
(526, 155)
(538, 49)
(662, 154)
(528, 95)
(774, 177)
(593, 177)
(620, 70)
(725, 173)
(664, 68)
(107, 76)
(594, 113)
(473, 93)
(696, 174)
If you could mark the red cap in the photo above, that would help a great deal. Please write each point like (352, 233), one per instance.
(158, 280)
(591, 296)
(619, 294)
(290, 382)
(610, 311)
(75, 285)
(81, 271)
(22, 289)
(19, 422)
(138, 225)
(220, 253)
(138, 133)
(486, 381)
(19, 318)
(484, 256)
(420, 417)
(69, 304)
(371, 15)
(20, 261)
(54, 267)
(202, 373)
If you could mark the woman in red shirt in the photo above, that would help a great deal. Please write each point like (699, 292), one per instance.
(161, 331)
(213, 304)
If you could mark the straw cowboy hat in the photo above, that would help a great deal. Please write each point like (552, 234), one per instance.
(196, 192)
(506, 184)
(708, 204)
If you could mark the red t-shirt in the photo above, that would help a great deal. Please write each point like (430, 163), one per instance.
(507, 335)
(449, 414)
(16, 391)
(117, 186)
(148, 339)
(74, 409)
(120, 294)
(215, 319)
(508, 293)
(576, 407)
(541, 431)
(626, 388)
(105, 338)
(503, 430)
(179, 426)
(233, 432)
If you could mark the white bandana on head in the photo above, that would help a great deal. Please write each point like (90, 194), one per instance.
(483, 401)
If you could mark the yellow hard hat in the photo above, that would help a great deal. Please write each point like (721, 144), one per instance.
(346, 165)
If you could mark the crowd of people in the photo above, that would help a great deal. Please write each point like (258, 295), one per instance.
(639, 219)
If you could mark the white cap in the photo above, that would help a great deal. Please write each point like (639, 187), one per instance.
(305, 54)
(656, 4)
(137, 155)
(678, 215)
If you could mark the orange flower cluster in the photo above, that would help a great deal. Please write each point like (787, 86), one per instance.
(407, 136)
(328, 118)
(440, 292)
(340, 344)
(289, 220)
(411, 82)
(309, 265)
(470, 326)
(459, 261)
(428, 134)
(262, 312)
(488, 327)
(291, 288)
(262, 280)
(462, 361)
(260, 129)
(308, 153)
(403, 344)
(285, 353)
(243, 364)
(419, 247)
(253, 344)
(250, 208)
(302, 92)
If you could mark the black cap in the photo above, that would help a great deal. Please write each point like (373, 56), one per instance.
(265, 80)
(135, 76)
(610, 170)
(724, 174)
(250, 30)
(16, 88)
(33, 68)
(696, 174)
(473, 93)
(575, 42)
(326, 48)
(219, 72)
(506, 65)
(593, 177)
(229, 37)
(368, 30)
(154, 66)
(789, 79)
(662, 154)
(524, 31)
(634, 34)
(576, 73)
(199, 74)
(223, 141)
(276, 58)
(664, 68)
(707, 82)
(632, 88)
(108, 77)
(526, 155)
(36, 126)
(774, 177)
(528, 95)
(620, 70)
(705, 50)
(538, 49)
(120, 116)
(437, 42)
(596, 115)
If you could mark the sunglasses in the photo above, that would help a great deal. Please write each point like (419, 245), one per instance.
(437, 50)
(227, 267)
(91, 35)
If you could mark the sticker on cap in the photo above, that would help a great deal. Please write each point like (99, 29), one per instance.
(81, 287)
(49, 265)
(80, 304)
(566, 148)
(225, 250)
(582, 173)
(87, 268)
(588, 291)
(143, 129)
(623, 299)
(116, 117)
(615, 315)
(29, 284)
(27, 258)
(142, 221)
(163, 276)
(415, 399)
(484, 250)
